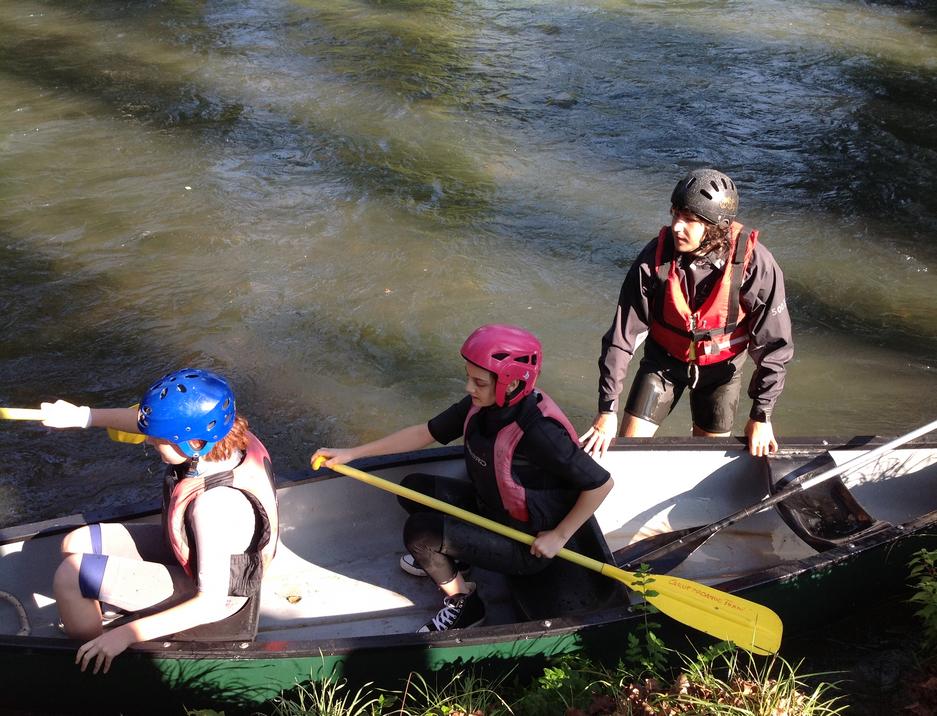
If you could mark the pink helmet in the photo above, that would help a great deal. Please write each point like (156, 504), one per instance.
(511, 353)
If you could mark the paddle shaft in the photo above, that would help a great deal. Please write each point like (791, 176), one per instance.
(118, 436)
(795, 488)
(20, 414)
(450, 509)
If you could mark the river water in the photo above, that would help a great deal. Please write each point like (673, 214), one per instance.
(321, 199)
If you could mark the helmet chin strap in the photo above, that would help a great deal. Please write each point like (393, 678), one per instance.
(195, 454)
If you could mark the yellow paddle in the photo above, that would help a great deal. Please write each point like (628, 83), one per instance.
(20, 414)
(725, 616)
(118, 436)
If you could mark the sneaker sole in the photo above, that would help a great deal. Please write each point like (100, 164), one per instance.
(411, 568)
(416, 571)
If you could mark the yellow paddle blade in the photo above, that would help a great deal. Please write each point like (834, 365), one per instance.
(750, 626)
(120, 436)
(20, 414)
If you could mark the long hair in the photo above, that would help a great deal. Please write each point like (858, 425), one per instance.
(716, 240)
(236, 440)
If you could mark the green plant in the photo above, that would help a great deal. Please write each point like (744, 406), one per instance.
(329, 697)
(645, 651)
(716, 683)
(464, 694)
(569, 682)
(924, 575)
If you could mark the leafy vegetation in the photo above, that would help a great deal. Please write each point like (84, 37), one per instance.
(650, 680)
(924, 581)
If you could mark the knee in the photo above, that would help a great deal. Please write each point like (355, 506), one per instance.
(635, 427)
(423, 530)
(701, 433)
(76, 542)
(80, 616)
(65, 582)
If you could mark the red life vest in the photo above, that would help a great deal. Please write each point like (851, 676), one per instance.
(513, 494)
(718, 330)
(254, 478)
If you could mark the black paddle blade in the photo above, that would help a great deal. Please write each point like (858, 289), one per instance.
(661, 552)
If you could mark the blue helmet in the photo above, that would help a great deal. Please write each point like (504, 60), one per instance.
(188, 404)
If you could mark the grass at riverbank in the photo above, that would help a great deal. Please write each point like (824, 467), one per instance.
(721, 680)
(878, 661)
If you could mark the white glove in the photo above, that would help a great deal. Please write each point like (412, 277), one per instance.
(62, 414)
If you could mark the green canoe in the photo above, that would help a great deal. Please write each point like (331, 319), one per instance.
(336, 602)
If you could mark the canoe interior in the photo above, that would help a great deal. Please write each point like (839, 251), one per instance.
(336, 575)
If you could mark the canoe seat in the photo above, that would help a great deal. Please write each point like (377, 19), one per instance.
(827, 515)
(564, 588)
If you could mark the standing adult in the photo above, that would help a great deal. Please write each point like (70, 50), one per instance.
(704, 293)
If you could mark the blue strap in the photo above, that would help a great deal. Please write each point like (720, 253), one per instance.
(91, 575)
(95, 531)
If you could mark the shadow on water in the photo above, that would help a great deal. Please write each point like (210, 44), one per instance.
(162, 86)
(168, 93)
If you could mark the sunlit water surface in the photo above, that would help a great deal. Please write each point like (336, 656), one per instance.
(321, 199)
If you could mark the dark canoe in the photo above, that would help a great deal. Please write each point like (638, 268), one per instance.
(335, 601)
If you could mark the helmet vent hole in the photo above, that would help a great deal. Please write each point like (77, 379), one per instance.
(706, 194)
(211, 425)
(181, 388)
(163, 392)
(523, 359)
(226, 403)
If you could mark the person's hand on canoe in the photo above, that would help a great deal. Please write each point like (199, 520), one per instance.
(761, 440)
(597, 439)
(102, 650)
(62, 414)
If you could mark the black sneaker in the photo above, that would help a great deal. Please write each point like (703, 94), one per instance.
(458, 612)
(408, 564)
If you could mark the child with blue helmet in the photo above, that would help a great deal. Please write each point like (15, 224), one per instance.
(205, 561)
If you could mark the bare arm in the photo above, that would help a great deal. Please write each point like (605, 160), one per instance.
(411, 438)
(118, 418)
(62, 414)
(548, 543)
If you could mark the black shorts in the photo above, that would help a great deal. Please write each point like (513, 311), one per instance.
(661, 380)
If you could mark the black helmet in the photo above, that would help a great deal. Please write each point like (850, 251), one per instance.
(709, 194)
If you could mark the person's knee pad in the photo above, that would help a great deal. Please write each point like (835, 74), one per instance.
(650, 401)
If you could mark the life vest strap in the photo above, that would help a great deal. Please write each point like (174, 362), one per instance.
(742, 241)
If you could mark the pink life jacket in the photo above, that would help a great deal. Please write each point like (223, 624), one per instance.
(254, 478)
(513, 494)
